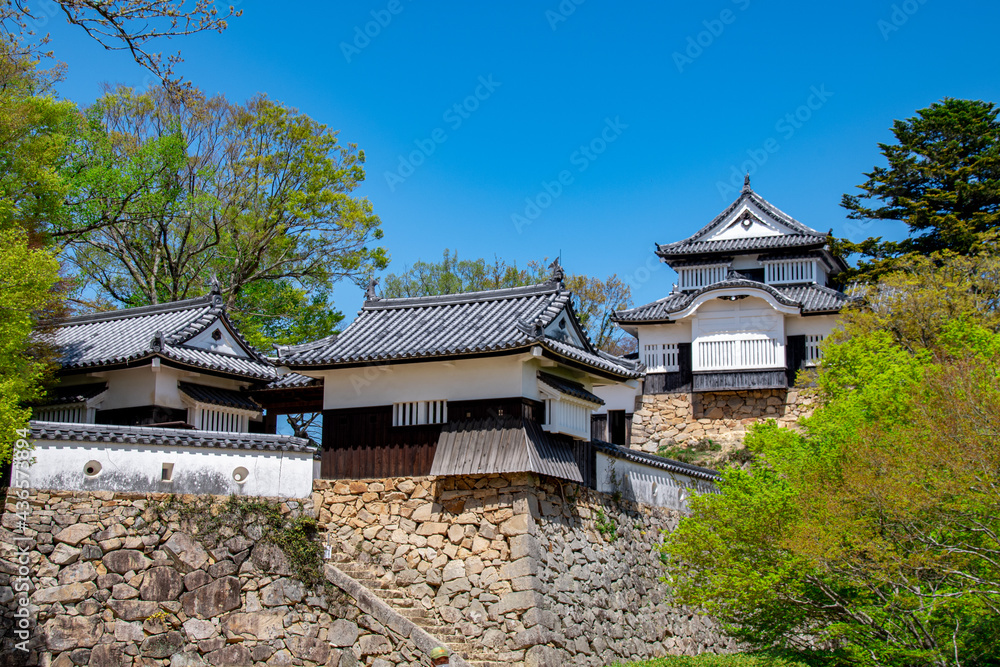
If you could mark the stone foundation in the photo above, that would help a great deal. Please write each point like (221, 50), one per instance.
(520, 570)
(110, 586)
(519, 566)
(666, 420)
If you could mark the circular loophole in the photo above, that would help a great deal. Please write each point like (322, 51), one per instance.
(240, 474)
(92, 468)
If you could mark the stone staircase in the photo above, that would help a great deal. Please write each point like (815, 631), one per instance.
(411, 610)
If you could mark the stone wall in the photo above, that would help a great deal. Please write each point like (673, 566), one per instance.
(665, 420)
(508, 569)
(518, 565)
(112, 586)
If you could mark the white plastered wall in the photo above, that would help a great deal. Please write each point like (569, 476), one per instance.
(813, 324)
(148, 385)
(138, 468)
(648, 484)
(616, 397)
(459, 380)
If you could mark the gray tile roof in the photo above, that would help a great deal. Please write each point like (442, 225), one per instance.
(504, 445)
(801, 236)
(569, 387)
(215, 396)
(809, 298)
(636, 456)
(292, 381)
(136, 335)
(147, 435)
(473, 323)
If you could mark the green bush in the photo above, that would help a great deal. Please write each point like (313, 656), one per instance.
(709, 660)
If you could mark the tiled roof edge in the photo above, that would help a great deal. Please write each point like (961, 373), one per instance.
(465, 297)
(619, 452)
(109, 433)
(128, 313)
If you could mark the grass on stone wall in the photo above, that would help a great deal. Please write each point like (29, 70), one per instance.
(709, 660)
(256, 519)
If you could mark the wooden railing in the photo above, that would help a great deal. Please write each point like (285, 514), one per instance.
(696, 277)
(790, 271)
(661, 358)
(724, 354)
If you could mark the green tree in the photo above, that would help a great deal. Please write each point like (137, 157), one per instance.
(26, 291)
(942, 181)
(35, 130)
(594, 300)
(168, 194)
(873, 534)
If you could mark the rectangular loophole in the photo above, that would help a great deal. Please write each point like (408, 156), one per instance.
(167, 473)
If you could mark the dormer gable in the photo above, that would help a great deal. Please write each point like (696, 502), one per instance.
(749, 221)
(217, 337)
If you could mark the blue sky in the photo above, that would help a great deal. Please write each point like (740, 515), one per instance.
(649, 111)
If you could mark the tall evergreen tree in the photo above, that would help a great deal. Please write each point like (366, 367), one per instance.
(942, 181)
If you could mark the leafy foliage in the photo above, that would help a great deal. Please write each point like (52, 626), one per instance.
(594, 300)
(709, 660)
(34, 130)
(168, 194)
(258, 519)
(873, 537)
(26, 283)
(942, 180)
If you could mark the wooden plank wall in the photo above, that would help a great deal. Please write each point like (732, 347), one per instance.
(362, 443)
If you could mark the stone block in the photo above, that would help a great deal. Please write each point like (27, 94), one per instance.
(374, 645)
(343, 633)
(128, 632)
(162, 645)
(64, 633)
(282, 592)
(106, 655)
(133, 610)
(64, 594)
(187, 554)
(63, 554)
(196, 579)
(73, 535)
(432, 528)
(260, 626)
(516, 525)
(197, 629)
(234, 655)
(307, 648)
(212, 599)
(125, 560)
(78, 572)
(161, 583)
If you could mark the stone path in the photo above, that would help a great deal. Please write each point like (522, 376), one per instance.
(411, 610)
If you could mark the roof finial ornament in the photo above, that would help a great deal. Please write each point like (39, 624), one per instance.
(157, 343)
(746, 182)
(370, 294)
(216, 290)
(557, 272)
